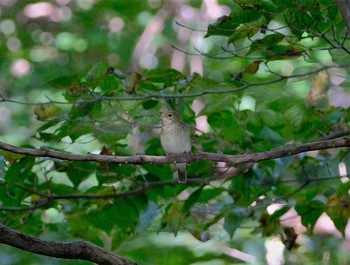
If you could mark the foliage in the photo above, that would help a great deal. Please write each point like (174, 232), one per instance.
(287, 57)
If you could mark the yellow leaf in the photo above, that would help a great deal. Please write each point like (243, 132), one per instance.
(11, 157)
(174, 217)
(46, 111)
(338, 209)
(132, 79)
(35, 197)
(319, 87)
(253, 67)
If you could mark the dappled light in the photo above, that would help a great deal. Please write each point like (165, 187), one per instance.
(45, 9)
(20, 67)
(116, 24)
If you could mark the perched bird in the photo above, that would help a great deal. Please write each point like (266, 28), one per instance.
(175, 139)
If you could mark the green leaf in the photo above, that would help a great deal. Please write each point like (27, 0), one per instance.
(121, 214)
(247, 187)
(282, 52)
(74, 129)
(76, 92)
(272, 118)
(109, 134)
(222, 27)
(269, 9)
(225, 123)
(284, 4)
(277, 214)
(344, 188)
(64, 82)
(295, 115)
(208, 194)
(241, 16)
(338, 56)
(81, 109)
(250, 3)
(268, 226)
(167, 76)
(245, 31)
(303, 70)
(9, 157)
(338, 209)
(80, 227)
(174, 217)
(158, 172)
(20, 170)
(46, 111)
(98, 71)
(192, 199)
(332, 12)
(59, 188)
(110, 85)
(47, 125)
(310, 212)
(271, 136)
(203, 169)
(233, 220)
(266, 43)
(111, 173)
(79, 171)
(149, 104)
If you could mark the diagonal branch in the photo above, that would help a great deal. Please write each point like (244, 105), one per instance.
(51, 197)
(142, 159)
(71, 250)
(344, 9)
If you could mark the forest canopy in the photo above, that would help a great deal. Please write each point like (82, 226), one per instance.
(263, 88)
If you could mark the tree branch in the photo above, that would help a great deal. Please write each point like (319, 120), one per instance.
(51, 197)
(142, 159)
(71, 250)
(201, 92)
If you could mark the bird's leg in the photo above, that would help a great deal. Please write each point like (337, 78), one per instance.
(187, 154)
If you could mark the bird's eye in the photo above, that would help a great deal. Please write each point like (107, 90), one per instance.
(170, 115)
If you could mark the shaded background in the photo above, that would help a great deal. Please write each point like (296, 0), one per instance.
(40, 41)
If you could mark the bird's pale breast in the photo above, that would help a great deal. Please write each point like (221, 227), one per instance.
(175, 139)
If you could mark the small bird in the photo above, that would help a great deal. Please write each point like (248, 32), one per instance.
(175, 139)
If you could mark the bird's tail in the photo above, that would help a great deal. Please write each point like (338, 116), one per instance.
(181, 172)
